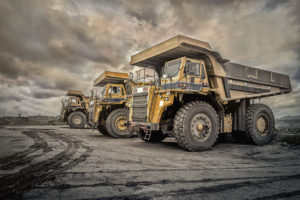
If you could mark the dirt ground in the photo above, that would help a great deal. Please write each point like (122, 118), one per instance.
(56, 162)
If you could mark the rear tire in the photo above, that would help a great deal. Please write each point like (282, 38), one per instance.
(115, 123)
(156, 136)
(260, 124)
(77, 119)
(196, 126)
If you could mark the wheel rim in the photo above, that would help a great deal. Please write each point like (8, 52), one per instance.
(262, 124)
(120, 123)
(201, 126)
(77, 120)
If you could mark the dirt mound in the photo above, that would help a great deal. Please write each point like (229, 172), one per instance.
(30, 120)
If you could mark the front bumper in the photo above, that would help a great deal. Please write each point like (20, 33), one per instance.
(137, 126)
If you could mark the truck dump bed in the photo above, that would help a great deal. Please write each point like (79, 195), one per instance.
(251, 74)
(75, 93)
(110, 77)
(233, 81)
(171, 49)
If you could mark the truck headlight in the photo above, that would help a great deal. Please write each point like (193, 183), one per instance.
(91, 103)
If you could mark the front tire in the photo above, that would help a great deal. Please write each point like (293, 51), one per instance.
(115, 124)
(196, 126)
(77, 119)
(260, 124)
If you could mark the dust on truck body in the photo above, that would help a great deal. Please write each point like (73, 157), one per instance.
(75, 109)
(200, 94)
(109, 112)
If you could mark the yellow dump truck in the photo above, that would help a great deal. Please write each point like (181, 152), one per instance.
(109, 112)
(200, 94)
(74, 110)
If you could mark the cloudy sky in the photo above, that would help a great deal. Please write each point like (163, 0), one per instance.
(47, 47)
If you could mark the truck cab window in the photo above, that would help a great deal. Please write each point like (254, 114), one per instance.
(192, 68)
(114, 90)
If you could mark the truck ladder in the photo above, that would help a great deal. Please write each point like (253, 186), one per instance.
(147, 135)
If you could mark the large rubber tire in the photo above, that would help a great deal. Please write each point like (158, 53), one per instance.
(102, 129)
(260, 124)
(156, 136)
(77, 119)
(112, 125)
(183, 122)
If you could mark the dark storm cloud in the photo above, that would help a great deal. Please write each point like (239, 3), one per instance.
(147, 10)
(44, 94)
(34, 32)
(48, 47)
(8, 68)
(296, 48)
(10, 98)
(273, 4)
(297, 75)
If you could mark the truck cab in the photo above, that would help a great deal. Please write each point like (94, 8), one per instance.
(184, 73)
(113, 93)
(74, 101)
(75, 109)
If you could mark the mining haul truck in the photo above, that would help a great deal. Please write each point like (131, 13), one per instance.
(74, 110)
(109, 112)
(200, 94)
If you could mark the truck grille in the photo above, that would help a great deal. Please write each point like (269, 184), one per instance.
(139, 107)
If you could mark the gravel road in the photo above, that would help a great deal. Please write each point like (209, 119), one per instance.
(56, 162)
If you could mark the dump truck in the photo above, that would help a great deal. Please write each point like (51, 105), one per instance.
(109, 112)
(74, 110)
(200, 94)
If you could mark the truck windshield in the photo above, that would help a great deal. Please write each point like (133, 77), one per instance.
(172, 68)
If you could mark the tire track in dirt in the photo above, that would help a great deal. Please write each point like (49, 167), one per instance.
(183, 169)
(212, 189)
(280, 195)
(21, 158)
(160, 182)
(13, 185)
